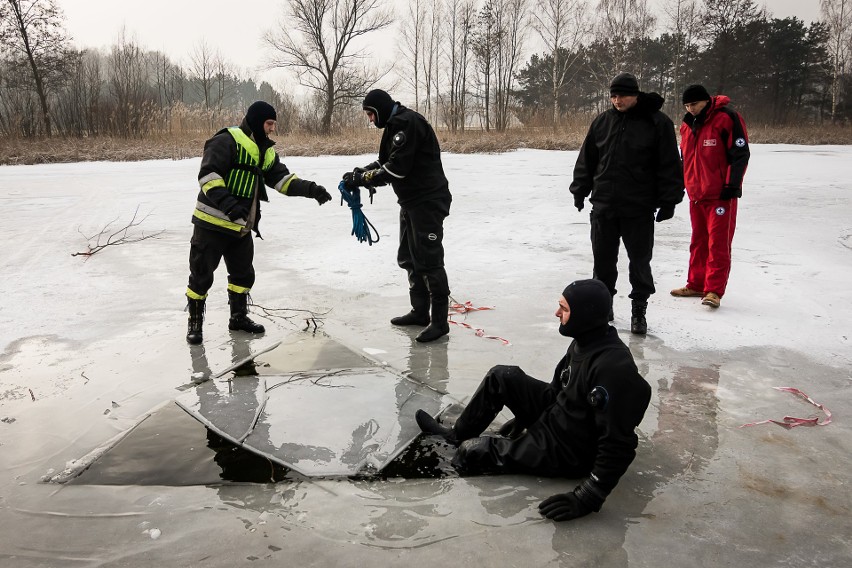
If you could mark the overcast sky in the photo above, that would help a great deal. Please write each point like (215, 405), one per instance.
(176, 27)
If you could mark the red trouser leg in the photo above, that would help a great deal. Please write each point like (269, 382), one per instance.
(697, 246)
(721, 223)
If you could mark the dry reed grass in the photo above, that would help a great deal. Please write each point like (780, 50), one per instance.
(355, 141)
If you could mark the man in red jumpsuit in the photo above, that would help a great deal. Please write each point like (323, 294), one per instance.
(714, 147)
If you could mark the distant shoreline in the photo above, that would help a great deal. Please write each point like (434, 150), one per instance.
(67, 150)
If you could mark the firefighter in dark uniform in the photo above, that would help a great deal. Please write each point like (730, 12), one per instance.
(237, 165)
(581, 425)
(410, 160)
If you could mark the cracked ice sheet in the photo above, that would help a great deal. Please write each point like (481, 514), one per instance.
(315, 406)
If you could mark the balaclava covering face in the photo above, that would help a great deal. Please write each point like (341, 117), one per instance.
(258, 113)
(381, 104)
(590, 302)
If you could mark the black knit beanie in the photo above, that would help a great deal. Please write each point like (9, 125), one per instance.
(258, 113)
(381, 104)
(624, 84)
(695, 93)
(590, 302)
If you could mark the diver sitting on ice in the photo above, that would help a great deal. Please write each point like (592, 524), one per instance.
(581, 425)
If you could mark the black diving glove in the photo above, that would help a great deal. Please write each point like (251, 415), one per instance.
(563, 507)
(511, 429)
(585, 498)
(353, 180)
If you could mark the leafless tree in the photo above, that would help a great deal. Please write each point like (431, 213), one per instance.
(562, 26)
(619, 22)
(485, 42)
(513, 19)
(33, 33)
(316, 39)
(170, 80)
(459, 22)
(837, 15)
(684, 24)
(128, 85)
(202, 67)
(431, 54)
(410, 45)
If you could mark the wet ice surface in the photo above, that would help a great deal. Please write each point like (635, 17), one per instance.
(366, 412)
(90, 347)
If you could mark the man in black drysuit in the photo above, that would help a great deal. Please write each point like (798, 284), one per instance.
(630, 165)
(581, 425)
(410, 160)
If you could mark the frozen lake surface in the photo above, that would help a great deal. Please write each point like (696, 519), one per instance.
(89, 347)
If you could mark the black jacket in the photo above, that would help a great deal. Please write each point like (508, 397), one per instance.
(629, 162)
(601, 435)
(410, 155)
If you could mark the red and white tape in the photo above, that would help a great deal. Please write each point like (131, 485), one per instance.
(791, 421)
(465, 308)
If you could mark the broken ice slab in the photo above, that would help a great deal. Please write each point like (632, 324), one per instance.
(315, 406)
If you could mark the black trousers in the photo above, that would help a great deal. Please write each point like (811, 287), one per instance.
(421, 248)
(545, 448)
(208, 247)
(638, 236)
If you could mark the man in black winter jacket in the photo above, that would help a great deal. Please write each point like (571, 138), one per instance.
(410, 160)
(629, 166)
(581, 425)
(237, 165)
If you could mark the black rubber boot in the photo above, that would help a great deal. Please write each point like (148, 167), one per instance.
(419, 314)
(638, 325)
(239, 314)
(196, 320)
(434, 428)
(439, 327)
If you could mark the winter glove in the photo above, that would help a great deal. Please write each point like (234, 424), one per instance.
(665, 213)
(585, 498)
(305, 188)
(511, 429)
(563, 507)
(319, 193)
(353, 180)
(368, 167)
(579, 201)
(730, 191)
(237, 210)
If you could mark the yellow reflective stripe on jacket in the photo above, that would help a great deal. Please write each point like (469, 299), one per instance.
(242, 178)
(252, 149)
(284, 184)
(213, 220)
(210, 181)
(246, 142)
(269, 158)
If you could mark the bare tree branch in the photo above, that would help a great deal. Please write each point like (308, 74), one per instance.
(103, 240)
(315, 39)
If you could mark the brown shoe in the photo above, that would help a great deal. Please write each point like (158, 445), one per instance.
(712, 299)
(686, 292)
